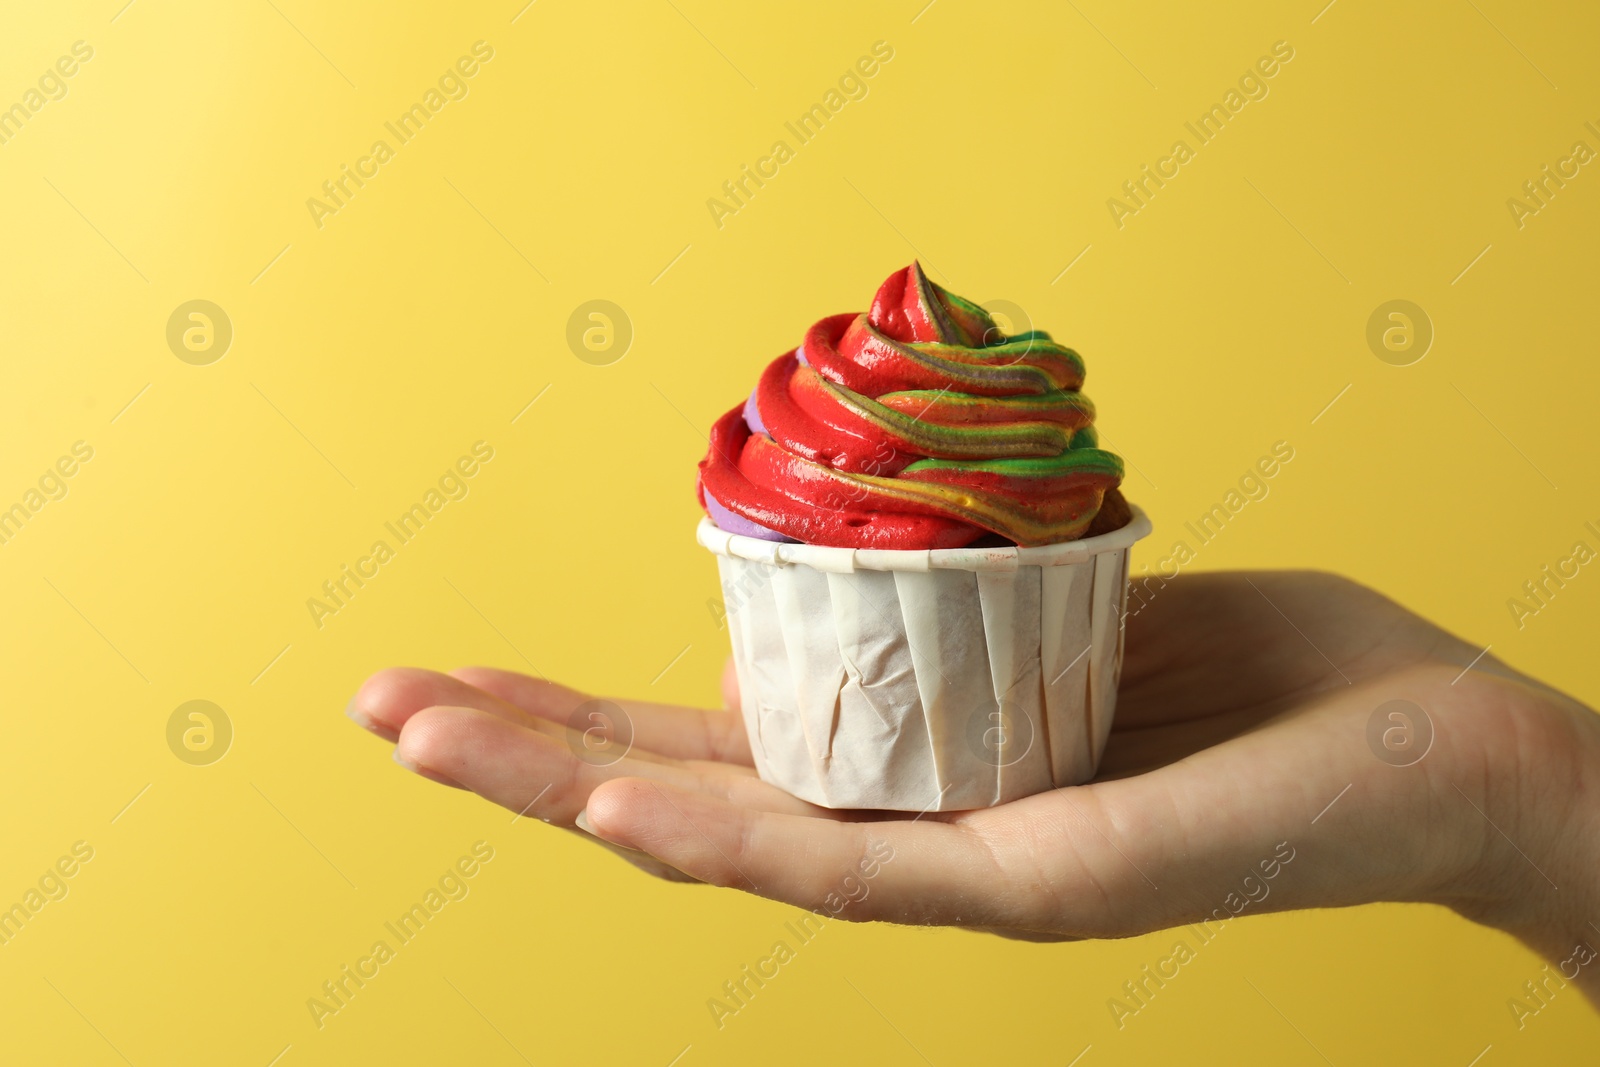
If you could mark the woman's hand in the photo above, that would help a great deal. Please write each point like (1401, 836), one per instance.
(1244, 734)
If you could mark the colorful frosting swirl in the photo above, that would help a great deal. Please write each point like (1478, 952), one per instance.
(917, 425)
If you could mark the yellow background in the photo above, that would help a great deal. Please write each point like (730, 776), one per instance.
(1221, 318)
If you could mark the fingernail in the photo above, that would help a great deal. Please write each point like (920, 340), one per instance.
(423, 772)
(581, 821)
(356, 715)
(361, 719)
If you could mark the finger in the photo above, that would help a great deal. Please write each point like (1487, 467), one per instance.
(419, 686)
(922, 871)
(682, 733)
(543, 777)
(388, 700)
(642, 860)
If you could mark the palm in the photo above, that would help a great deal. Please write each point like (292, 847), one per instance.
(1242, 715)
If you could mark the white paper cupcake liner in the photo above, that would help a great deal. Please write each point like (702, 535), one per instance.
(939, 680)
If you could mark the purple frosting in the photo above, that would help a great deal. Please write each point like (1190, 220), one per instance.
(738, 524)
(752, 415)
(734, 523)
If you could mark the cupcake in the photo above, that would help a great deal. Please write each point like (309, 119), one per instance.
(924, 559)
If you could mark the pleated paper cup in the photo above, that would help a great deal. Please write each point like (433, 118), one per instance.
(941, 680)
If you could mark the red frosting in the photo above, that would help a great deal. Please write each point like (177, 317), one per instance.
(916, 425)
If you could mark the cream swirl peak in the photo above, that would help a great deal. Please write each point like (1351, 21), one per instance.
(916, 425)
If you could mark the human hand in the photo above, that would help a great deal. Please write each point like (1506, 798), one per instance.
(1240, 738)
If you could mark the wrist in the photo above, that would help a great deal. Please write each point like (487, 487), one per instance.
(1534, 781)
